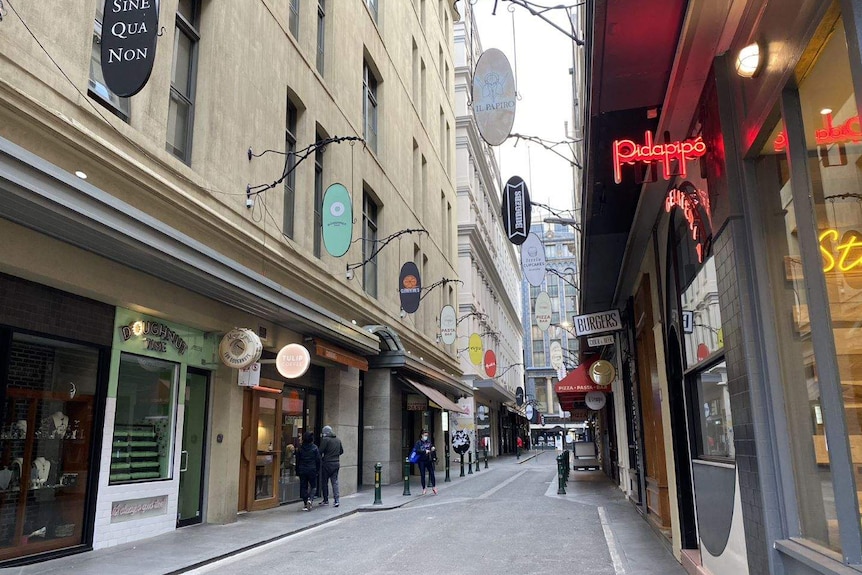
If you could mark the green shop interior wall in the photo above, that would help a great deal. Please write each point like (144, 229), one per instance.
(199, 349)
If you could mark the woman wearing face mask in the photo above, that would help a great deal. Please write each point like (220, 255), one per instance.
(427, 456)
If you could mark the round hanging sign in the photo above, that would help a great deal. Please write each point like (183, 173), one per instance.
(529, 412)
(240, 348)
(556, 356)
(595, 400)
(461, 442)
(494, 96)
(448, 324)
(490, 363)
(516, 210)
(603, 372)
(533, 260)
(337, 220)
(475, 348)
(702, 352)
(409, 287)
(292, 360)
(128, 45)
(542, 311)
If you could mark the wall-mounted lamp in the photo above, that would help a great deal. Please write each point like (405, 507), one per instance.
(748, 61)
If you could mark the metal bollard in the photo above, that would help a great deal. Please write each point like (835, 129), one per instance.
(469, 463)
(377, 479)
(447, 479)
(519, 453)
(486, 458)
(406, 476)
(462, 466)
(561, 485)
(477, 458)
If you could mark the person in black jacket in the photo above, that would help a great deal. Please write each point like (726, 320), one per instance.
(427, 456)
(330, 453)
(307, 467)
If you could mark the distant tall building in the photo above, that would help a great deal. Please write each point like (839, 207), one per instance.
(560, 284)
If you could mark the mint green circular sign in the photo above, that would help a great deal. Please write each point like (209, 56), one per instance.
(337, 220)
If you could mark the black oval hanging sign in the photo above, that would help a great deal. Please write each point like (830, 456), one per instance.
(129, 29)
(516, 210)
(409, 287)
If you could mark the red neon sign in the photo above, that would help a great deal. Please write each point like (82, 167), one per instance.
(849, 131)
(688, 202)
(627, 152)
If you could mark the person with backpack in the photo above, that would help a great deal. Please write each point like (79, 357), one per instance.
(330, 454)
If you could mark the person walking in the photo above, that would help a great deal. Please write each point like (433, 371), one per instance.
(307, 467)
(330, 454)
(427, 457)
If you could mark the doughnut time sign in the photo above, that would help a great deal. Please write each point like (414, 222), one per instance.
(129, 30)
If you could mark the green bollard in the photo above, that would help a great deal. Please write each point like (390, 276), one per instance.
(486, 458)
(469, 463)
(377, 479)
(561, 485)
(462, 466)
(447, 479)
(406, 476)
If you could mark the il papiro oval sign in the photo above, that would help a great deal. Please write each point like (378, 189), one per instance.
(409, 287)
(292, 360)
(240, 348)
(448, 324)
(128, 45)
(490, 363)
(542, 311)
(516, 210)
(337, 220)
(533, 260)
(494, 96)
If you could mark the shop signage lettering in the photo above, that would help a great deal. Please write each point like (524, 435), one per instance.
(128, 50)
(848, 132)
(628, 152)
(156, 330)
(410, 287)
(597, 322)
(849, 251)
(516, 210)
(688, 203)
(132, 509)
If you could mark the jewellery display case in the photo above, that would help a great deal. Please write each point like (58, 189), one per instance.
(44, 461)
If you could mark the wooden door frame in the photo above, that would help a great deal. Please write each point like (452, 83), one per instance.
(248, 452)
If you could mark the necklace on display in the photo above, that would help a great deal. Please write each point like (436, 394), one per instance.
(43, 468)
(61, 424)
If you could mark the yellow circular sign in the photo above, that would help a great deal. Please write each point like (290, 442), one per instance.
(476, 349)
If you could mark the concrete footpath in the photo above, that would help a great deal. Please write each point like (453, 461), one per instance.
(191, 547)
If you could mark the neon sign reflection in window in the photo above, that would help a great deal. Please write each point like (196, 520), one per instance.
(848, 132)
(628, 152)
(849, 251)
(688, 203)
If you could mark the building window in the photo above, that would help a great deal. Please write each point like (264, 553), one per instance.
(539, 353)
(290, 165)
(318, 198)
(714, 425)
(321, 34)
(373, 7)
(369, 244)
(142, 444)
(96, 86)
(183, 72)
(293, 19)
(369, 106)
(819, 217)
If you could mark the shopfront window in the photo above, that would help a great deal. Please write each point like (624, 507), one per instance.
(46, 432)
(142, 445)
(715, 425)
(701, 316)
(790, 289)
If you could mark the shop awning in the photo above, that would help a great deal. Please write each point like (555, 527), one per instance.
(493, 390)
(435, 396)
(338, 355)
(575, 385)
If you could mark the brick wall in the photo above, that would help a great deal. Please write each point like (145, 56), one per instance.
(35, 307)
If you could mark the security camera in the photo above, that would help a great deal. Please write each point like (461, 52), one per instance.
(249, 202)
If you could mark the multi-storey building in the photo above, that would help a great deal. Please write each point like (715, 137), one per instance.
(131, 246)
(489, 300)
(560, 283)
